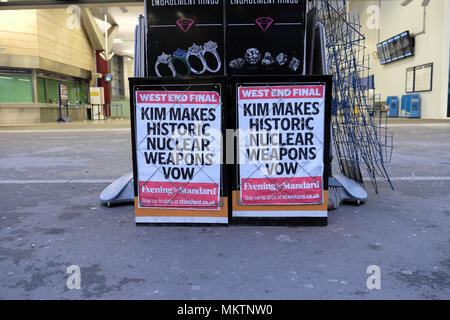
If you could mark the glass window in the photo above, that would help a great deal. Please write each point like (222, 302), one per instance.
(41, 90)
(116, 65)
(15, 88)
(52, 91)
(84, 96)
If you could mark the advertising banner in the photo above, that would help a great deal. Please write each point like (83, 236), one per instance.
(265, 37)
(281, 144)
(97, 95)
(185, 37)
(63, 94)
(178, 142)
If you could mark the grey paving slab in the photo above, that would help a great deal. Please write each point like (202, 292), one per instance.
(47, 226)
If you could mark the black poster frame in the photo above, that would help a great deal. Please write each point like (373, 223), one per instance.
(139, 83)
(291, 80)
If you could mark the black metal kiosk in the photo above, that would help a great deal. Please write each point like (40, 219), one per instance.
(228, 124)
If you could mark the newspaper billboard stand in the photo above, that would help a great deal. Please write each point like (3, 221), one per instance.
(63, 93)
(177, 115)
(282, 149)
(177, 129)
(197, 53)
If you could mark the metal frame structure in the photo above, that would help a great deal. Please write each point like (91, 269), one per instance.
(359, 124)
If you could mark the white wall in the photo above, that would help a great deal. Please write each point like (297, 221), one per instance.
(433, 46)
(127, 73)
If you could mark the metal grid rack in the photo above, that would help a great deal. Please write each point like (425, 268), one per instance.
(359, 125)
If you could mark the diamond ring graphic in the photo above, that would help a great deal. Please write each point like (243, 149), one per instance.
(282, 59)
(294, 64)
(211, 47)
(196, 51)
(252, 56)
(267, 60)
(181, 55)
(165, 58)
(237, 63)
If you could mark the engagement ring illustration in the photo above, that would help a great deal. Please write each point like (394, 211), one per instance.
(181, 55)
(165, 59)
(211, 47)
(196, 51)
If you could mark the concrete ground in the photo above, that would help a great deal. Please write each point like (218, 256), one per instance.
(50, 218)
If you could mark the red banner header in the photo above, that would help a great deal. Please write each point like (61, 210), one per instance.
(172, 97)
(281, 92)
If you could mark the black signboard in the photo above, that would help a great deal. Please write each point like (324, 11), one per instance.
(396, 48)
(185, 38)
(265, 37)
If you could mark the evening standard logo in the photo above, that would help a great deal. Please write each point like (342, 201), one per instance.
(279, 186)
(182, 190)
(178, 202)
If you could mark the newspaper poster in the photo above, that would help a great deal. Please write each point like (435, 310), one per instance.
(178, 149)
(281, 149)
